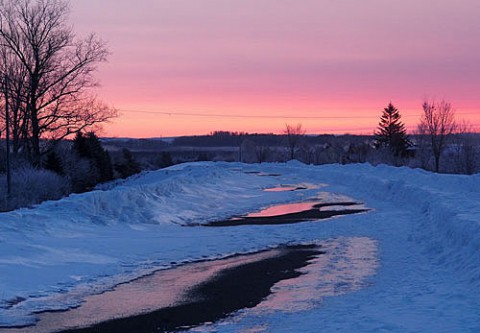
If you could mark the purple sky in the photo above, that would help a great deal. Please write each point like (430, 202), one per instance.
(282, 59)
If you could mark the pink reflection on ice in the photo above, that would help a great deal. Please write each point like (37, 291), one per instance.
(283, 209)
(321, 198)
(281, 189)
(159, 290)
(344, 268)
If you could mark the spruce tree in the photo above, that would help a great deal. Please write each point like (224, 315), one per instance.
(53, 162)
(90, 148)
(129, 165)
(80, 145)
(100, 157)
(391, 132)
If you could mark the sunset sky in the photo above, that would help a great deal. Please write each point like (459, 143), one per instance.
(180, 67)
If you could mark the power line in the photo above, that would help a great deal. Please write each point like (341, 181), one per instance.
(224, 115)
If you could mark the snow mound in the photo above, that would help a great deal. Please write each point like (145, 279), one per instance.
(448, 207)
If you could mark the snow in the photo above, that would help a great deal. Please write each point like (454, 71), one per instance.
(423, 235)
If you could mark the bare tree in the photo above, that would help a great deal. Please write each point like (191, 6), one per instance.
(438, 124)
(294, 135)
(262, 152)
(51, 73)
(13, 80)
(464, 152)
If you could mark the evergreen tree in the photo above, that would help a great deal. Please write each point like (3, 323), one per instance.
(54, 163)
(90, 148)
(100, 157)
(129, 166)
(80, 145)
(391, 132)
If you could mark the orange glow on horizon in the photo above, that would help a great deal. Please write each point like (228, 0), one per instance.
(149, 122)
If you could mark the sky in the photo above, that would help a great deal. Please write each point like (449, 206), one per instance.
(182, 67)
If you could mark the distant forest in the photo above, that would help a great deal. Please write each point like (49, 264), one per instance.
(237, 146)
(460, 155)
(230, 139)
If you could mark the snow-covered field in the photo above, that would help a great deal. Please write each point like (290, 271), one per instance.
(423, 230)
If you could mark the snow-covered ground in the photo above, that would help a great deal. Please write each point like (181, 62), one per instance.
(423, 231)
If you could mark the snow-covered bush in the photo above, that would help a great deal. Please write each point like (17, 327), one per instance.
(30, 186)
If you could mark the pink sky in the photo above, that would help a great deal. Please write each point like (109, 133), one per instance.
(255, 65)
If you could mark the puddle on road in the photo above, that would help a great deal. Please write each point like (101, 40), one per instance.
(262, 174)
(284, 189)
(299, 207)
(288, 279)
(343, 268)
(290, 188)
(346, 266)
(162, 289)
(314, 209)
(279, 210)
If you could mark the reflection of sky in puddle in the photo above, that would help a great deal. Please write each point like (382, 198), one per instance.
(344, 268)
(321, 198)
(283, 209)
(159, 290)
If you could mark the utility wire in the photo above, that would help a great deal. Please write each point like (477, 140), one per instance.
(224, 115)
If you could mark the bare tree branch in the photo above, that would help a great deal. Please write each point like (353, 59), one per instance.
(53, 71)
(438, 123)
(294, 135)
